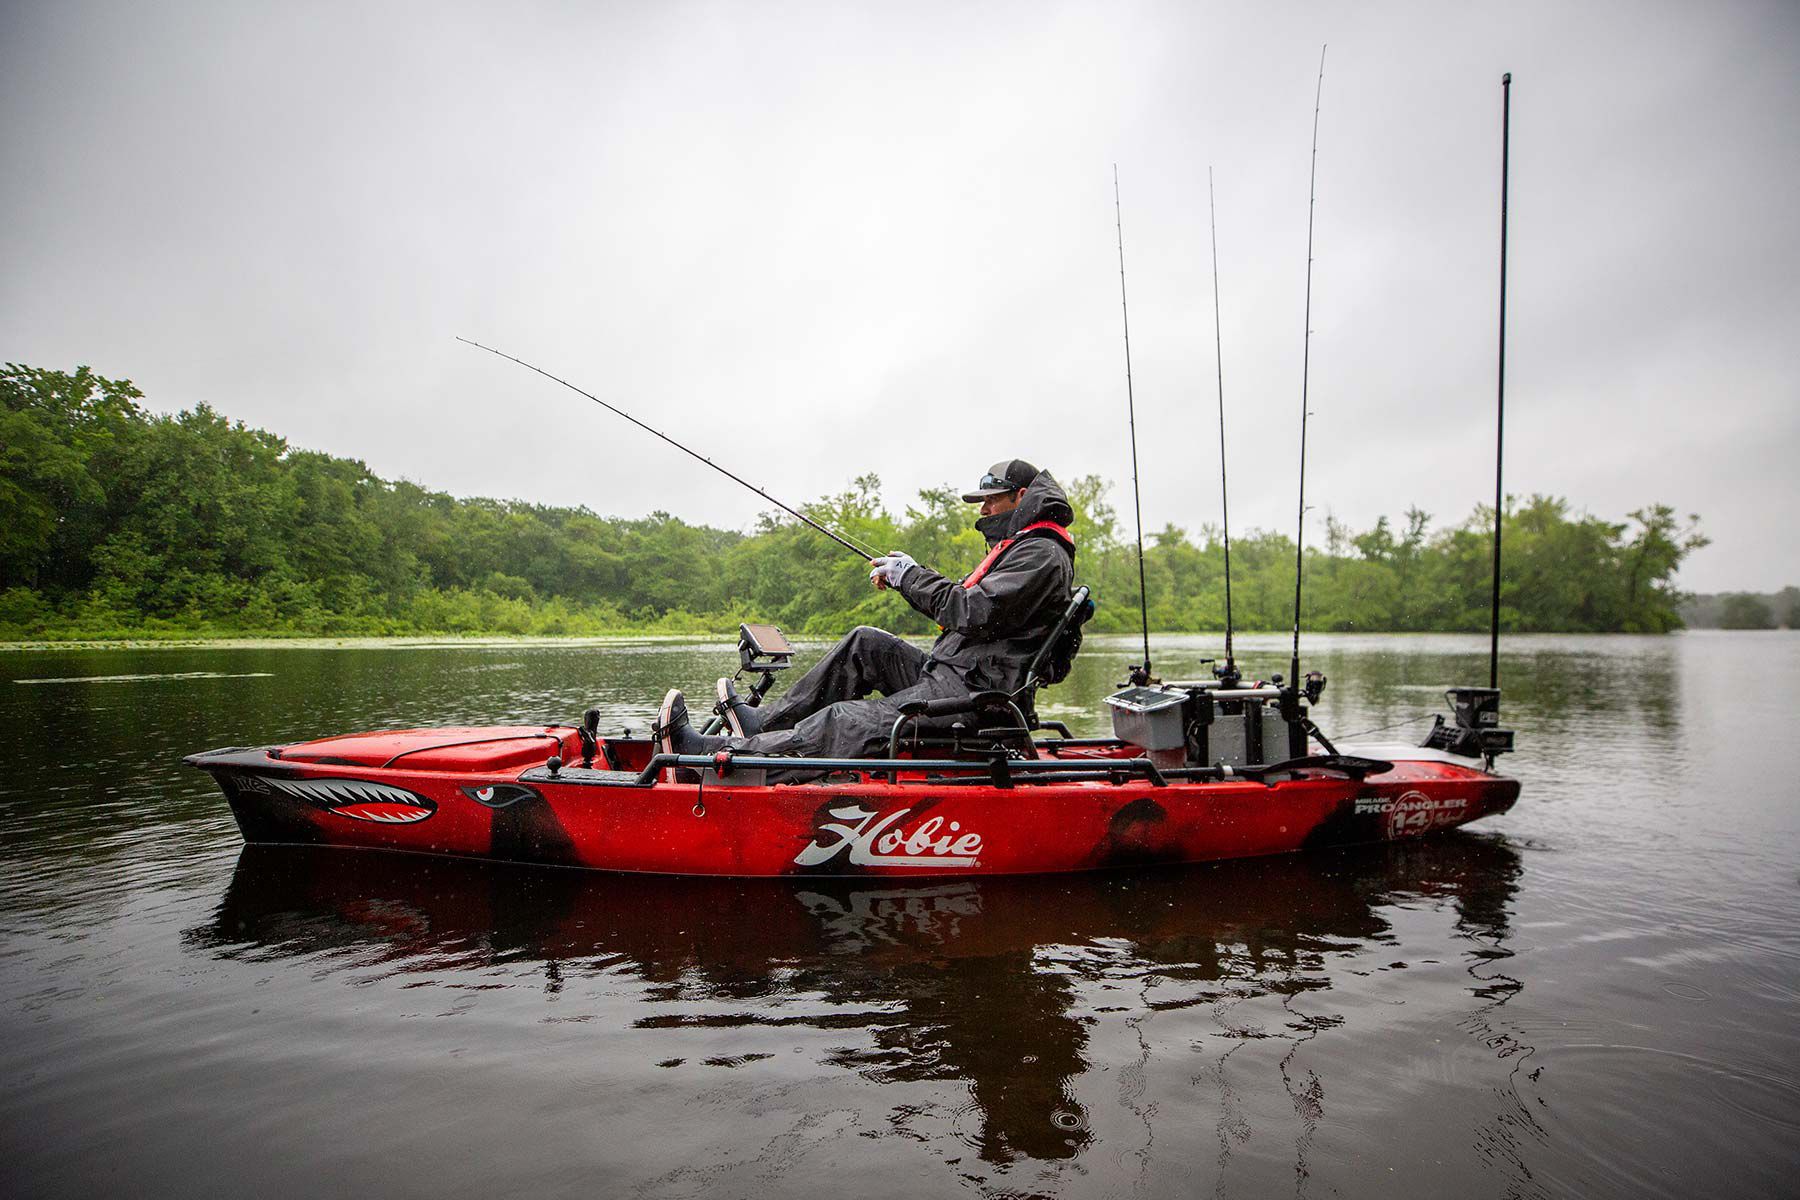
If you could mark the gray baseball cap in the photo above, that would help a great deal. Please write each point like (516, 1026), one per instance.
(1009, 475)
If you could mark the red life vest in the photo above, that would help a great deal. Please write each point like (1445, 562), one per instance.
(993, 556)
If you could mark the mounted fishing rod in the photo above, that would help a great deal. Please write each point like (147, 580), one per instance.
(1139, 675)
(1305, 369)
(1500, 409)
(860, 551)
(1476, 724)
(1228, 674)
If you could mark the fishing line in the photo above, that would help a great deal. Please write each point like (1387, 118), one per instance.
(1384, 728)
(839, 538)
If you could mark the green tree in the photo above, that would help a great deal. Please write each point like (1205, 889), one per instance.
(1744, 611)
(62, 437)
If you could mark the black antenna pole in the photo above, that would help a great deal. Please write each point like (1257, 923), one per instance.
(1500, 415)
(1131, 416)
(1305, 368)
(1219, 357)
(840, 539)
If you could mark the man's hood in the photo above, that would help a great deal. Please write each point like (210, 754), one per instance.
(1044, 500)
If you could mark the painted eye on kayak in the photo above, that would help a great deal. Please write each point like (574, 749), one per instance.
(498, 795)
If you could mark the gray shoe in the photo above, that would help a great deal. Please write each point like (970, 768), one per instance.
(674, 734)
(740, 719)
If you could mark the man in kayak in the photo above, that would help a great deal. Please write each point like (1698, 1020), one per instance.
(993, 621)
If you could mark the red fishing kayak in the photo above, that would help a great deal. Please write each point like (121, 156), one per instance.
(1068, 804)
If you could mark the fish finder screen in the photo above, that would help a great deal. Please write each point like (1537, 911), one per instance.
(765, 639)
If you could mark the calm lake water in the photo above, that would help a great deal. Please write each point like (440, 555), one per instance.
(1595, 994)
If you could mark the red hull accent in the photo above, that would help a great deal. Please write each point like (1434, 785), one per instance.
(476, 793)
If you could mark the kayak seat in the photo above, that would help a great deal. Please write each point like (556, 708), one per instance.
(1055, 655)
(956, 706)
(1003, 718)
(995, 719)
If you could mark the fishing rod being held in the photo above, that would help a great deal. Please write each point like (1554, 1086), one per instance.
(1139, 675)
(839, 538)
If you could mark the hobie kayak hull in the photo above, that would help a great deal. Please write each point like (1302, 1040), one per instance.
(483, 793)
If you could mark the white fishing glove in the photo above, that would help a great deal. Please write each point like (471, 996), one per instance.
(888, 570)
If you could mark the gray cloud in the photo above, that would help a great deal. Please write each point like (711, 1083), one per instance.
(826, 238)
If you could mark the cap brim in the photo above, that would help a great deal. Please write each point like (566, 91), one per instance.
(977, 497)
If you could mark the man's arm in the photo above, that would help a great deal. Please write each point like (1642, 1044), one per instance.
(1004, 601)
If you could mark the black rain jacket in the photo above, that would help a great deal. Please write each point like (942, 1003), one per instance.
(992, 629)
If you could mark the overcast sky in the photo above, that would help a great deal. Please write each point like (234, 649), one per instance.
(825, 239)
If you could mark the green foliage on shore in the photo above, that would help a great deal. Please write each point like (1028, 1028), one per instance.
(119, 523)
(1743, 610)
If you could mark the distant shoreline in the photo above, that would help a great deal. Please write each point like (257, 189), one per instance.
(316, 642)
(451, 641)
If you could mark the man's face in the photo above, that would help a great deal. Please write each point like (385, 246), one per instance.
(1005, 502)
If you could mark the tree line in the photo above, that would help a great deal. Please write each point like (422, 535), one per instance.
(118, 522)
(1743, 610)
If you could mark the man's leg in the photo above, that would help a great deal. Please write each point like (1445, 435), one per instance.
(867, 660)
(851, 728)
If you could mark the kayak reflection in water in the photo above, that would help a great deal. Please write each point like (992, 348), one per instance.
(994, 620)
(1015, 989)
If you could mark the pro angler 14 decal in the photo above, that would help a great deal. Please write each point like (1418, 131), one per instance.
(356, 799)
(872, 840)
(1414, 812)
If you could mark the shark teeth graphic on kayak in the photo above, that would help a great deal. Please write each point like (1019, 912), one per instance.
(359, 799)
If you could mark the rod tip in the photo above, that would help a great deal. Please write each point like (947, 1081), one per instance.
(1506, 79)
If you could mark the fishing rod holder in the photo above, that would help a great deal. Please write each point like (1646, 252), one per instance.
(589, 733)
(1205, 725)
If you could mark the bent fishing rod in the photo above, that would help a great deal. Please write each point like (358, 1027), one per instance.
(1131, 417)
(839, 538)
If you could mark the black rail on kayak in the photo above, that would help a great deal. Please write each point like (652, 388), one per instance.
(997, 770)
(1004, 772)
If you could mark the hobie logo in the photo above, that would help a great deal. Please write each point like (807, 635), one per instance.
(885, 842)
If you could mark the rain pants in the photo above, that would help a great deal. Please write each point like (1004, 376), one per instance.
(993, 621)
